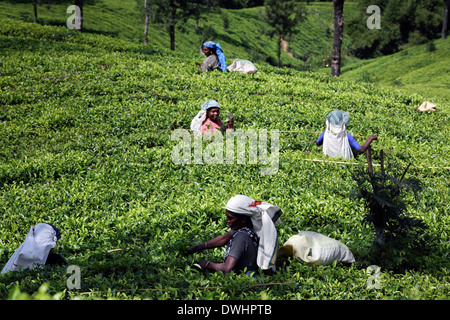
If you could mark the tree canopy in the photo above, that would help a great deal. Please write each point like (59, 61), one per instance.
(283, 16)
(402, 23)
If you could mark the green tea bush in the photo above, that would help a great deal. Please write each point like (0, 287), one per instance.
(85, 144)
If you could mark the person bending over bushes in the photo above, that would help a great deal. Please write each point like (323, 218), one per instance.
(336, 141)
(252, 240)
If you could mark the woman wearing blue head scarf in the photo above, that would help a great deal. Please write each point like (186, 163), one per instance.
(215, 58)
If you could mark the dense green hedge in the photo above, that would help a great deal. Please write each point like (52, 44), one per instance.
(85, 144)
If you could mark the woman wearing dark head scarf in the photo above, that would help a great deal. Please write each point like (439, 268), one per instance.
(215, 58)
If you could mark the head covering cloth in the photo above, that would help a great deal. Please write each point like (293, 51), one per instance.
(336, 117)
(261, 214)
(210, 104)
(35, 249)
(219, 53)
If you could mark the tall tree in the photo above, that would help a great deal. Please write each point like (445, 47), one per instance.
(147, 18)
(170, 13)
(199, 7)
(283, 16)
(35, 11)
(338, 6)
(445, 20)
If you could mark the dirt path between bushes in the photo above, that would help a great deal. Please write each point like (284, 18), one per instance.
(284, 46)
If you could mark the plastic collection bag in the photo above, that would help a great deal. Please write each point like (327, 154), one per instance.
(244, 66)
(316, 249)
(426, 106)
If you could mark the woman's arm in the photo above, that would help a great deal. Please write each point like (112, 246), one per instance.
(225, 267)
(229, 125)
(320, 140)
(367, 144)
(230, 121)
(218, 241)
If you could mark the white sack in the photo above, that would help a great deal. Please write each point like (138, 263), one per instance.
(426, 106)
(243, 66)
(196, 123)
(316, 249)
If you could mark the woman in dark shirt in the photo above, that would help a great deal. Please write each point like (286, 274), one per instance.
(215, 58)
(242, 246)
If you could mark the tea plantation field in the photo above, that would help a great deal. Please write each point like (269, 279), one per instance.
(424, 69)
(241, 33)
(85, 143)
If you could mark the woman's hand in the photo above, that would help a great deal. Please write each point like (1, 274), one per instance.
(190, 250)
(204, 264)
(366, 145)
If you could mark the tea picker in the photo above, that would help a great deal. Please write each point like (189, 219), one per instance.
(35, 251)
(336, 141)
(215, 58)
(207, 120)
(252, 242)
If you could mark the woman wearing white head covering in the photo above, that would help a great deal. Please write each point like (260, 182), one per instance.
(35, 250)
(336, 141)
(252, 242)
(207, 120)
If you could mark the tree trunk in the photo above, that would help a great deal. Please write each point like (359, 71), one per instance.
(381, 237)
(378, 221)
(337, 39)
(172, 22)
(35, 11)
(146, 22)
(172, 37)
(369, 161)
(383, 175)
(279, 52)
(444, 24)
(197, 15)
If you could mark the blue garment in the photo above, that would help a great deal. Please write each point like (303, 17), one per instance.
(219, 53)
(353, 143)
